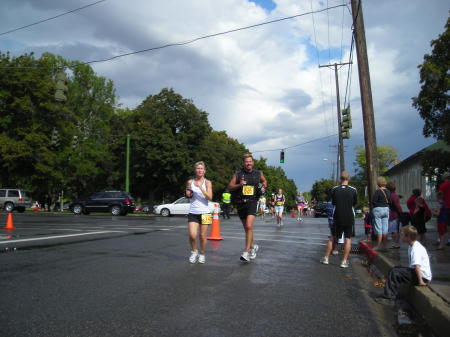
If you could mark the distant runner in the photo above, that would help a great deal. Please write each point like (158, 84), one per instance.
(300, 199)
(262, 205)
(248, 184)
(280, 200)
(199, 190)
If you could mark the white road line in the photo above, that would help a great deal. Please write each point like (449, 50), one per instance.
(273, 240)
(58, 237)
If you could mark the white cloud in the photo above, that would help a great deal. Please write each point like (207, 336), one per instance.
(262, 85)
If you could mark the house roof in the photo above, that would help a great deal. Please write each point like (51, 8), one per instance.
(439, 145)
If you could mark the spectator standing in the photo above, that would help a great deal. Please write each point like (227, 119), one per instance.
(442, 220)
(380, 208)
(226, 202)
(420, 216)
(368, 223)
(411, 202)
(395, 209)
(344, 198)
(445, 189)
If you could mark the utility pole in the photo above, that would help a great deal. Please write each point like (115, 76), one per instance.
(127, 169)
(366, 97)
(341, 140)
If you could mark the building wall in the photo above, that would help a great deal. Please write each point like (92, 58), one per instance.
(408, 177)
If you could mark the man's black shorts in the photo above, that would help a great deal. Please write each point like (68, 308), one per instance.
(246, 208)
(349, 231)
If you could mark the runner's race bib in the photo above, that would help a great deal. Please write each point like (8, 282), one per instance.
(248, 190)
(206, 219)
(279, 203)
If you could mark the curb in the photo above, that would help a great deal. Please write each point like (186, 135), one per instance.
(430, 306)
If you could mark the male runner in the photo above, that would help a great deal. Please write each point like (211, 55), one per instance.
(344, 198)
(248, 184)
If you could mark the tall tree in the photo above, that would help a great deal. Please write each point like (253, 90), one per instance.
(166, 131)
(321, 189)
(386, 156)
(433, 101)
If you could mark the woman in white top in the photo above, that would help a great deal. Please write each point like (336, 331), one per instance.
(199, 190)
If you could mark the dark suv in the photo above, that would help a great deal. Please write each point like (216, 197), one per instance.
(321, 209)
(116, 202)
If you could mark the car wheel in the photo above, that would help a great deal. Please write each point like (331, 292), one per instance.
(21, 209)
(77, 209)
(9, 207)
(165, 212)
(115, 210)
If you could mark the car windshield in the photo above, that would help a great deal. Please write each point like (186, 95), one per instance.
(182, 201)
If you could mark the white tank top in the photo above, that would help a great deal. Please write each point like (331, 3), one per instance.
(199, 203)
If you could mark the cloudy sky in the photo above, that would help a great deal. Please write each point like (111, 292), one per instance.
(262, 85)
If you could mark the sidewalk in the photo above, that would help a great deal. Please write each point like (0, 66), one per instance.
(431, 302)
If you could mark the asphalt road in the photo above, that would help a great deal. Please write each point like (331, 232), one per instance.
(129, 276)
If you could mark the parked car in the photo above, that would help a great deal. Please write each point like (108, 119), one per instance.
(180, 206)
(14, 198)
(115, 202)
(321, 209)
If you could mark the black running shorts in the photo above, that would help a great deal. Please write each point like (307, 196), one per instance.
(195, 218)
(247, 207)
(349, 231)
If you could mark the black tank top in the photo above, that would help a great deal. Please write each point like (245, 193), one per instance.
(252, 178)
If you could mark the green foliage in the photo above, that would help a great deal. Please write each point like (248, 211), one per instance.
(433, 99)
(79, 146)
(387, 157)
(321, 189)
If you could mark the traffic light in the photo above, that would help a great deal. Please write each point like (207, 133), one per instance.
(55, 139)
(346, 123)
(61, 87)
(282, 157)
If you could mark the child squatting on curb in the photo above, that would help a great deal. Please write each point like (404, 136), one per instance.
(418, 272)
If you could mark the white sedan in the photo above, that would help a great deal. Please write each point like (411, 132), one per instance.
(180, 206)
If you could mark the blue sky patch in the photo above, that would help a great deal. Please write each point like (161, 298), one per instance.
(266, 4)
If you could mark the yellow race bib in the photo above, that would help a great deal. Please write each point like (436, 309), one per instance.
(279, 203)
(206, 219)
(248, 190)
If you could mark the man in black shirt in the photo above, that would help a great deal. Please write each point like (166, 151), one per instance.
(344, 198)
(245, 184)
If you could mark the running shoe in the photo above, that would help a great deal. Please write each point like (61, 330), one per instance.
(193, 257)
(335, 252)
(201, 258)
(324, 260)
(344, 264)
(253, 251)
(245, 257)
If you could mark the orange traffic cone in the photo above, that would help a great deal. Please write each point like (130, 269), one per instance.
(9, 223)
(293, 213)
(215, 229)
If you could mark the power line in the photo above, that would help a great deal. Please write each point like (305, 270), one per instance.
(290, 147)
(211, 35)
(195, 39)
(53, 17)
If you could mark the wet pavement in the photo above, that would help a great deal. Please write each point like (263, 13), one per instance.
(129, 276)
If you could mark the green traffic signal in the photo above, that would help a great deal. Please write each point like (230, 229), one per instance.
(282, 157)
